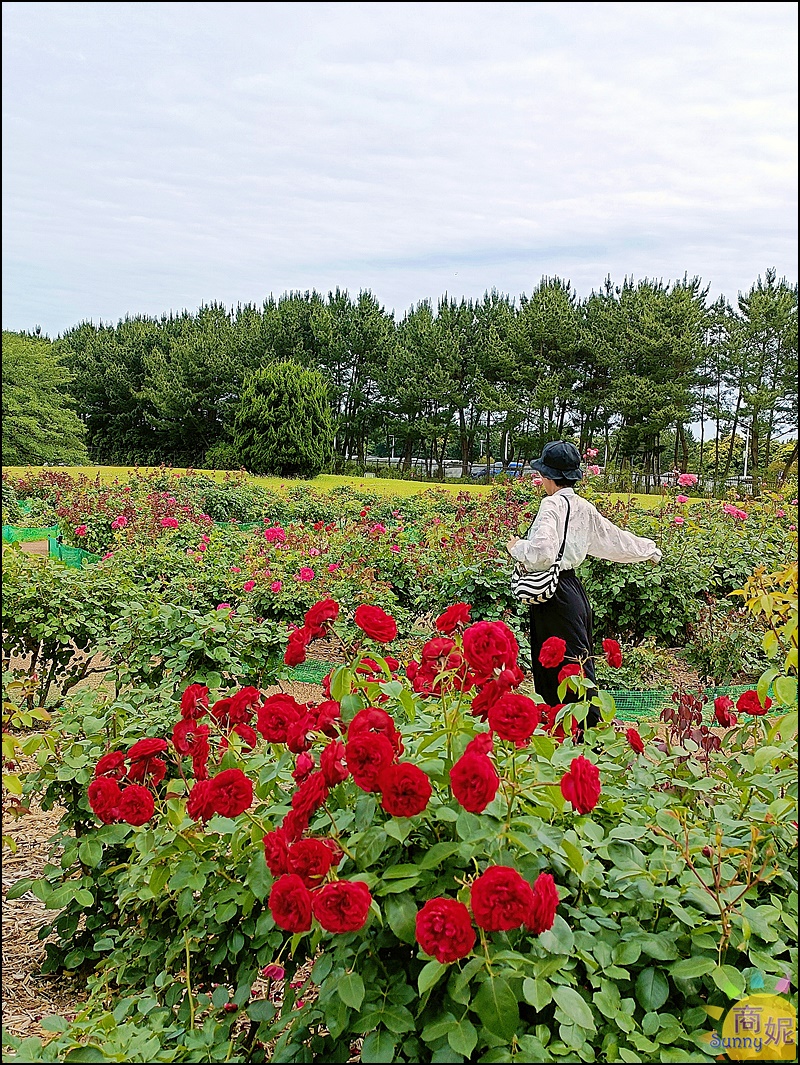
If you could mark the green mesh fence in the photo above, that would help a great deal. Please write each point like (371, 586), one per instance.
(630, 705)
(12, 534)
(236, 526)
(70, 556)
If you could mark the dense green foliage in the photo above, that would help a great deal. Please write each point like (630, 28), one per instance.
(39, 422)
(283, 423)
(675, 886)
(625, 370)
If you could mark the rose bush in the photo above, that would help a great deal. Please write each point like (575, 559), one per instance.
(433, 888)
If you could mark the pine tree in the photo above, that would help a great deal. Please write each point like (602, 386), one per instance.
(283, 423)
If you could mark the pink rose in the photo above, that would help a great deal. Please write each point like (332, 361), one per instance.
(678, 520)
(248, 586)
(682, 499)
(276, 586)
(306, 574)
(81, 530)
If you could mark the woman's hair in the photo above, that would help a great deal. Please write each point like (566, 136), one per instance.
(562, 482)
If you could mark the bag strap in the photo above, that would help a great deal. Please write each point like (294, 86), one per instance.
(563, 541)
(560, 554)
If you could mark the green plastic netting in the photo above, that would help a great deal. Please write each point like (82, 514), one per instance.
(236, 526)
(70, 556)
(14, 535)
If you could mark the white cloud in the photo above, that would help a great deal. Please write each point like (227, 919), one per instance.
(160, 154)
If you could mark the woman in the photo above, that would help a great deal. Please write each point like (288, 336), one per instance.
(568, 613)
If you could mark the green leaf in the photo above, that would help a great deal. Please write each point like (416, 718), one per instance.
(436, 855)
(688, 968)
(574, 856)
(537, 992)
(574, 1006)
(785, 689)
(729, 980)
(401, 915)
(378, 1047)
(497, 1007)
(90, 852)
(463, 1038)
(259, 878)
(341, 683)
(87, 1053)
(559, 939)
(429, 975)
(261, 1010)
(351, 990)
(652, 988)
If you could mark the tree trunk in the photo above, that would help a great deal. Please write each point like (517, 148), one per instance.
(785, 472)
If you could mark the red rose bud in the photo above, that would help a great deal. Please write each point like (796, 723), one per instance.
(635, 740)
(444, 930)
(613, 653)
(543, 909)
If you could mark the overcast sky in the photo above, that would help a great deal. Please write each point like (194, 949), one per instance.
(161, 155)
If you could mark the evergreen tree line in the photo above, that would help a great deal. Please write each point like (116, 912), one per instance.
(626, 370)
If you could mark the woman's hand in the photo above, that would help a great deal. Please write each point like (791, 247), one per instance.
(511, 542)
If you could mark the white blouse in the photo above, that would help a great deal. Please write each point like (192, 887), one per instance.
(589, 533)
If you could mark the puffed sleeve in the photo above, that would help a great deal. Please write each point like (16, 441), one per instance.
(539, 550)
(609, 542)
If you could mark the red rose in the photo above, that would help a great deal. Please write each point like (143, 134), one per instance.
(342, 906)
(143, 768)
(310, 859)
(438, 647)
(552, 652)
(405, 788)
(294, 824)
(320, 615)
(295, 652)
(367, 756)
(483, 743)
(722, 711)
(231, 792)
(635, 740)
(370, 720)
(581, 784)
(444, 930)
(194, 701)
(454, 617)
(376, 623)
(303, 765)
(331, 762)
(613, 653)
(200, 804)
(242, 705)
(495, 689)
(221, 711)
(290, 903)
(542, 913)
(111, 765)
(749, 703)
(311, 794)
(500, 899)
(299, 732)
(248, 736)
(146, 748)
(489, 646)
(276, 714)
(136, 805)
(514, 717)
(573, 669)
(474, 781)
(104, 797)
(276, 851)
(328, 718)
(190, 738)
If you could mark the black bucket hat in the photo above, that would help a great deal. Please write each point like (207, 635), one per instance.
(560, 461)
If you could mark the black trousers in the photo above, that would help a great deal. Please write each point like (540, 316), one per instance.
(567, 615)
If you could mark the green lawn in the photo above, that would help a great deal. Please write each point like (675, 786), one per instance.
(325, 482)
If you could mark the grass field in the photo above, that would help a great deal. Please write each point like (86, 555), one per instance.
(384, 486)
